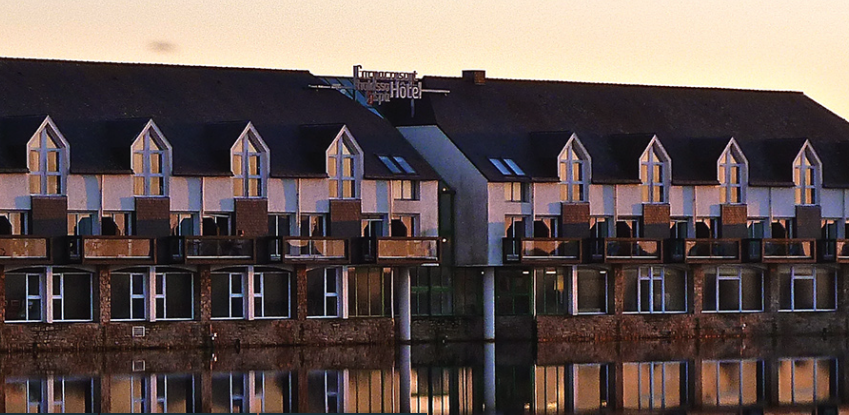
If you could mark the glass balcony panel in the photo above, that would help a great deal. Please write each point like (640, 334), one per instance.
(705, 249)
(101, 248)
(409, 248)
(214, 247)
(618, 248)
(788, 249)
(22, 247)
(313, 249)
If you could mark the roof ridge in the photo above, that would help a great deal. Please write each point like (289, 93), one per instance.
(153, 64)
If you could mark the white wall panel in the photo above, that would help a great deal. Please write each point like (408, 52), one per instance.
(118, 193)
(218, 194)
(84, 192)
(314, 196)
(15, 194)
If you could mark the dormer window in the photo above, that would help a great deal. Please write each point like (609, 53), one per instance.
(249, 163)
(654, 173)
(732, 174)
(151, 163)
(806, 176)
(48, 155)
(573, 167)
(343, 167)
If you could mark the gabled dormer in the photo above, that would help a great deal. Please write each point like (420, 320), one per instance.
(574, 170)
(655, 173)
(344, 166)
(732, 174)
(48, 160)
(151, 156)
(807, 175)
(249, 163)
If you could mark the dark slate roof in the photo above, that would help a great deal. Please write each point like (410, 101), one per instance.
(495, 119)
(101, 107)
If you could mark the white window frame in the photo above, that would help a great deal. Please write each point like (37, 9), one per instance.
(153, 144)
(655, 189)
(232, 294)
(653, 279)
(242, 176)
(344, 147)
(574, 161)
(739, 279)
(732, 160)
(53, 297)
(575, 310)
(813, 277)
(145, 277)
(164, 297)
(259, 278)
(653, 366)
(333, 290)
(518, 192)
(807, 175)
(38, 297)
(37, 144)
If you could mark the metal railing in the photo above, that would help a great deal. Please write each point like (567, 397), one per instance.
(302, 248)
(781, 250)
(632, 249)
(710, 249)
(541, 249)
(212, 247)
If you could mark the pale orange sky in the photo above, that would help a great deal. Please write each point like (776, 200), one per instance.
(778, 44)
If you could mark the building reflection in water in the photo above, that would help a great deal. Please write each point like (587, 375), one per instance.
(438, 379)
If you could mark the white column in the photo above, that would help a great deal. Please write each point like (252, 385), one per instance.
(404, 312)
(489, 304)
(405, 366)
(489, 378)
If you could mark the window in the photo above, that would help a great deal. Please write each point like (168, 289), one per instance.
(579, 388)
(655, 290)
(116, 223)
(370, 391)
(806, 176)
(280, 224)
(342, 168)
(444, 390)
(573, 175)
(547, 227)
(517, 191)
(513, 290)
(590, 286)
(174, 394)
(397, 164)
(372, 226)
(404, 226)
(369, 291)
(733, 290)
(228, 295)
(514, 226)
(216, 225)
(72, 297)
(806, 380)
(128, 296)
(405, 189)
(628, 228)
(174, 296)
(132, 393)
(507, 167)
(708, 228)
(82, 223)
(47, 162)
(654, 385)
(150, 162)
(732, 382)
(313, 225)
(653, 175)
(732, 174)
(248, 166)
(183, 224)
(14, 223)
(783, 228)
(679, 228)
(431, 291)
(576, 291)
(806, 288)
(272, 294)
(323, 287)
(23, 297)
(552, 291)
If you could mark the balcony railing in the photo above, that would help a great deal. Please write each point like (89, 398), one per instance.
(548, 250)
(111, 248)
(15, 247)
(216, 248)
(308, 249)
(831, 250)
(385, 250)
(781, 250)
(629, 249)
(706, 250)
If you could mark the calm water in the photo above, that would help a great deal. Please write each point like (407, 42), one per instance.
(749, 376)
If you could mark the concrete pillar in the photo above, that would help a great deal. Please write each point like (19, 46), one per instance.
(489, 304)
(404, 312)
(405, 367)
(489, 378)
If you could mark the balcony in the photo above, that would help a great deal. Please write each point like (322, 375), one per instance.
(212, 249)
(111, 249)
(31, 249)
(315, 249)
(706, 251)
(550, 251)
(781, 250)
(626, 250)
(401, 250)
(833, 250)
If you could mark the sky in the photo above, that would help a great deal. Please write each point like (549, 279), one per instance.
(776, 45)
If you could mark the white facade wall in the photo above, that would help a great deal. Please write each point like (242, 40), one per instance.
(15, 194)
(84, 193)
(282, 195)
(546, 197)
(118, 193)
(218, 194)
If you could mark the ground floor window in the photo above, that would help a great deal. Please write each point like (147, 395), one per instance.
(552, 291)
(732, 382)
(807, 288)
(323, 288)
(228, 295)
(733, 290)
(23, 297)
(431, 291)
(655, 290)
(513, 289)
(806, 380)
(272, 294)
(128, 295)
(174, 296)
(369, 291)
(49, 295)
(580, 388)
(654, 385)
(72, 296)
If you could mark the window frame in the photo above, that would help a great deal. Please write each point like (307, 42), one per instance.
(39, 298)
(327, 294)
(716, 371)
(150, 137)
(342, 149)
(145, 277)
(517, 192)
(37, 145)
(794, 278)
(683, 376)
(654, 158)
(738, 277)
(241, 169)
(652, 279)
(732, 160)
(574, 158)
(164, 297)
(258, 294)
(807, 176)
(233, 295)
(406, 189)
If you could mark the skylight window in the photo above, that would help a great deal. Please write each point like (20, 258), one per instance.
(507, 167)
(397, 164)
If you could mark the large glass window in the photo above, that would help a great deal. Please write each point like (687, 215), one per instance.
(323, 288)
(46, 163)
(807, 288)
(431, 291)
(513, 289)
(806, 177)
(444, 390)
(654, 385)
(552, 291)
(23, 297)
(369, 291)
(342, 168)
(14, 223)
(655, 290)
(733, 290)
(183, 224)
(732, 382)
(405, 189)
(68, 293)
(150, 162)
(174, 296)
(83, 223)
(228, 295)
(517, 192)
(732, 174)
(247, 167)
(72, 296)
(230, 393)
(573, 175)
(117, 223)
(272, 294)
(806, 380)
(653, 176)
(128, 296)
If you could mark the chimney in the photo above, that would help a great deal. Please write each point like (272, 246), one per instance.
(478, 77)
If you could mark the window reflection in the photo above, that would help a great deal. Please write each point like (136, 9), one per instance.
(51, 394)
(732, 383)
(806, 380)
(581, 388)
(654, 385)
(440, 390)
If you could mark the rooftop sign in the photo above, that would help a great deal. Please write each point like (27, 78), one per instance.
(383, 86)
